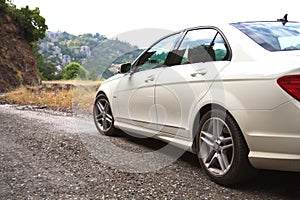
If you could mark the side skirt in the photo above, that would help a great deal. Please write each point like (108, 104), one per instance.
(160, 132)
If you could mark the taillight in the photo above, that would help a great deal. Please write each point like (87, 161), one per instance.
(291, 84)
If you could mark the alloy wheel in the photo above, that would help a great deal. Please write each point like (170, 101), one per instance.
(216, 146)
(103, 116)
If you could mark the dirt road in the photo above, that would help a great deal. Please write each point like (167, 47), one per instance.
(46, 156)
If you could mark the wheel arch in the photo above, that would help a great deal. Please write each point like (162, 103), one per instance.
(99, 93)
(204, 109)
(240, 168)
(108, 94)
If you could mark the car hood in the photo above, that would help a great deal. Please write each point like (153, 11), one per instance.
(114, 77)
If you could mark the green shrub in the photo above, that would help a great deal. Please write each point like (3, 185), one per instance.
(74, 71)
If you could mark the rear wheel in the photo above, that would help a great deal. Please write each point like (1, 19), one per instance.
(103, 117)
(222, 150)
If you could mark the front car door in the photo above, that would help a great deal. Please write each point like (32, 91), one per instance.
(136, 91)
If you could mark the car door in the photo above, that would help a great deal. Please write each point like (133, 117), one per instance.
(135, 92)
(203, 54)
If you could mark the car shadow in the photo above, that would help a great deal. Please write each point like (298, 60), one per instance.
(276, 183)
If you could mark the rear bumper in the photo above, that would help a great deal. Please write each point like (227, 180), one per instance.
(275, 161)
(273, 136)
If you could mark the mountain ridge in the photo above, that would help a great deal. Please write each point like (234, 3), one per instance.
(94, 52)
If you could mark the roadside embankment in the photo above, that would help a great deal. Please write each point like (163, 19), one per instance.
(60, 95)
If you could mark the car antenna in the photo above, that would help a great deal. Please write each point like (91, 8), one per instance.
(284, 20)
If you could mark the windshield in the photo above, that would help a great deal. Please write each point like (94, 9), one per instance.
(273, 36)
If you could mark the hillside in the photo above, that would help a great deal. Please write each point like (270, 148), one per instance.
(17, 61)
(107, 55)
(29, 54)
(94, 52)
(61, 48)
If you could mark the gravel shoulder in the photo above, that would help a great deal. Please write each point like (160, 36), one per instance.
(46, 156)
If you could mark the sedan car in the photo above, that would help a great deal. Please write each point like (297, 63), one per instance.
(227, 92)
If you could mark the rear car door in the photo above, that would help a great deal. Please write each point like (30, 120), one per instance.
(202, 54)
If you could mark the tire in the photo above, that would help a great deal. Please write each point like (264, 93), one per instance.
(221, 149)
(103, 117)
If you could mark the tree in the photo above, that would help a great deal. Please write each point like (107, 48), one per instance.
(74, 71)
(47, 70)
(6, 4)
(32, 22)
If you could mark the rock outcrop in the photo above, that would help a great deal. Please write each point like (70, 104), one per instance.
(17, 61)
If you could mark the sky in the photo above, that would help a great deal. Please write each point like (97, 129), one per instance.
(116, 17)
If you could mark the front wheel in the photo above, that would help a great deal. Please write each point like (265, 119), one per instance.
(222, 150)
(103, 117)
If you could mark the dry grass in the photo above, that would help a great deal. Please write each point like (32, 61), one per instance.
(83, 97)
(71, 95)
(36, 96)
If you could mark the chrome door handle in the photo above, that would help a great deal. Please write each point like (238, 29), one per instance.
(201, 72)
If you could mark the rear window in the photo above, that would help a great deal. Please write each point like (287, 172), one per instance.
(273, 36)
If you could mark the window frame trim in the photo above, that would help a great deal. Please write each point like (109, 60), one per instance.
(207, 27)
(135, 62)
(182, 34)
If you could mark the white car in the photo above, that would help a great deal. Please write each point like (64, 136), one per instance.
(229, 93)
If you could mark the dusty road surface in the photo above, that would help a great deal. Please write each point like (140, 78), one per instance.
(45, 156)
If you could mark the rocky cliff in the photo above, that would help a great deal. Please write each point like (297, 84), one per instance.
(17, 61)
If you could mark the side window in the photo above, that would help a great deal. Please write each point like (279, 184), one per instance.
(220, 48)
(157, 55)
(203, 45)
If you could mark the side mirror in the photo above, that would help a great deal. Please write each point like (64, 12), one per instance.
(125, 67)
